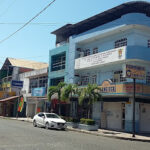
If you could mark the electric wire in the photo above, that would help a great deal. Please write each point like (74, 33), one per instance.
(27, 22)
(5, 11)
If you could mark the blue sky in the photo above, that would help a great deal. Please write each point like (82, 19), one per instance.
(34, 41)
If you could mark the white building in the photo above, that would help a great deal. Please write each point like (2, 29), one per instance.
(35, 90)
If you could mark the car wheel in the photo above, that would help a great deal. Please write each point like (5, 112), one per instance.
(47, 125)
(34, 123)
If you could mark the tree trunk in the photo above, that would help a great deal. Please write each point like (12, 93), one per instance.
(59, 105)
(90, 110)
(59, 108)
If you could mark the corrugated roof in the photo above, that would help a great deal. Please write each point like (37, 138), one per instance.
(8, 99)
(27, 63)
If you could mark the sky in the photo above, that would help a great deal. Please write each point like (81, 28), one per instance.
(35, 40)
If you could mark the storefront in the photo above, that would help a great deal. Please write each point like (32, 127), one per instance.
(117, 113)
(38, 102)
(36, 105)
(8, 106)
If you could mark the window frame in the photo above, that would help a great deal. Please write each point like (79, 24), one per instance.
(121, 42)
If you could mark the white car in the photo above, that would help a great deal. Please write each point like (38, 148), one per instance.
(49, 120)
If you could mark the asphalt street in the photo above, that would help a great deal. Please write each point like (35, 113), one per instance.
(19, 135)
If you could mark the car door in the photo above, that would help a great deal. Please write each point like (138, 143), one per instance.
(41, 119)
(38, 118)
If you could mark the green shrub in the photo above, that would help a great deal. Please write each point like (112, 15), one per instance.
(87, 121)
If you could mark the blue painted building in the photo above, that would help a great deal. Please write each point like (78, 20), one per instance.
(96, 51)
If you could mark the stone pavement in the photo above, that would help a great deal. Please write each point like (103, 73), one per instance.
(100, 132)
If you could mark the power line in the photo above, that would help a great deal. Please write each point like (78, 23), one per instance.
(36, 23)
(4, 12)
(28, 22)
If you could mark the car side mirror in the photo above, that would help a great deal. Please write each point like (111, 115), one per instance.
(43, 117)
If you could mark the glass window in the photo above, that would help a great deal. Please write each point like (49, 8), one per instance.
(148, 78)
(95, 50)
(148, 43)
(94, 78)
(87, 52)
(118, 76)
(58, 62)
(84, 80)
(38, 82)
(52, 116)
(121, 42)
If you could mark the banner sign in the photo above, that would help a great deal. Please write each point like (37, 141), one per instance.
(17, 84)
(137, 72)
(20, 107)
(101, 58)
(39, 91)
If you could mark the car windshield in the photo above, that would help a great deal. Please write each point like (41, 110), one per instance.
(52, 116)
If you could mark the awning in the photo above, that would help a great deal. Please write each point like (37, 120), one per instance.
(8, 99)
(37, 98)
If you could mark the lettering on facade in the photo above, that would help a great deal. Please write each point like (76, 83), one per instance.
(137, 72)
(106, 87)
(101, 58)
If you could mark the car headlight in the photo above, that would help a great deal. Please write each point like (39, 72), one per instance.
(53, 122)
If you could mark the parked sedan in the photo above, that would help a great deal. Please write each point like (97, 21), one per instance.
(49, 120)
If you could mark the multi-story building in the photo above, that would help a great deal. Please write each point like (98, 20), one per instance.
(98, 48)
(35, 91)
(9, 72)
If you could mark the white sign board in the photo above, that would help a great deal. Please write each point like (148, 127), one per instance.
(101, 58)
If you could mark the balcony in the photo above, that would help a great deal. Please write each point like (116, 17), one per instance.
(101, 58)
(113, 56)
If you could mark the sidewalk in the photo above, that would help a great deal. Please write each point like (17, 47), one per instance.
(100, 132)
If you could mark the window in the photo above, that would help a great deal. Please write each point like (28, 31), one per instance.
(84, 80)
(121, 42)
(87, 52)
(95, 50)
(148, 78)
(148, 43)
(38, 82)
(55, 81)
(118, 77)
(58, 62)
(93, 79)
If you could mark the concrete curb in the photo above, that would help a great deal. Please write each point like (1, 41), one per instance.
(86, 132)
(109, 136)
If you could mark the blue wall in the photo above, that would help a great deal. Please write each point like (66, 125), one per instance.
(59, 73)
(127, 19)
(138, 52)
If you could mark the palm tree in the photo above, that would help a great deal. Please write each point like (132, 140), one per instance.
(70, 91)
(90, 93)
(56, 90)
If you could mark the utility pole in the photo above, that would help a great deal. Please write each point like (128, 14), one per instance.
(133, 120)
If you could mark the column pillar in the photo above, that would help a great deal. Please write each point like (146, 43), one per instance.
(129, 116)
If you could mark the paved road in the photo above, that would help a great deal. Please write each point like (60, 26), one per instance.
(17, 135)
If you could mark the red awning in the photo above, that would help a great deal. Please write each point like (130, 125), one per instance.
(8, 99)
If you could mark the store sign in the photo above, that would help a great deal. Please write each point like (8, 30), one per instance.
(124, 89)
(101, 58)
(137, 72)
(17, 84)
(39, 91)
(106, 87)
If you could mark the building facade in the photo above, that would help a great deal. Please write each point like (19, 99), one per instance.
(35, 91)
(9, 87)
(98, 49)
